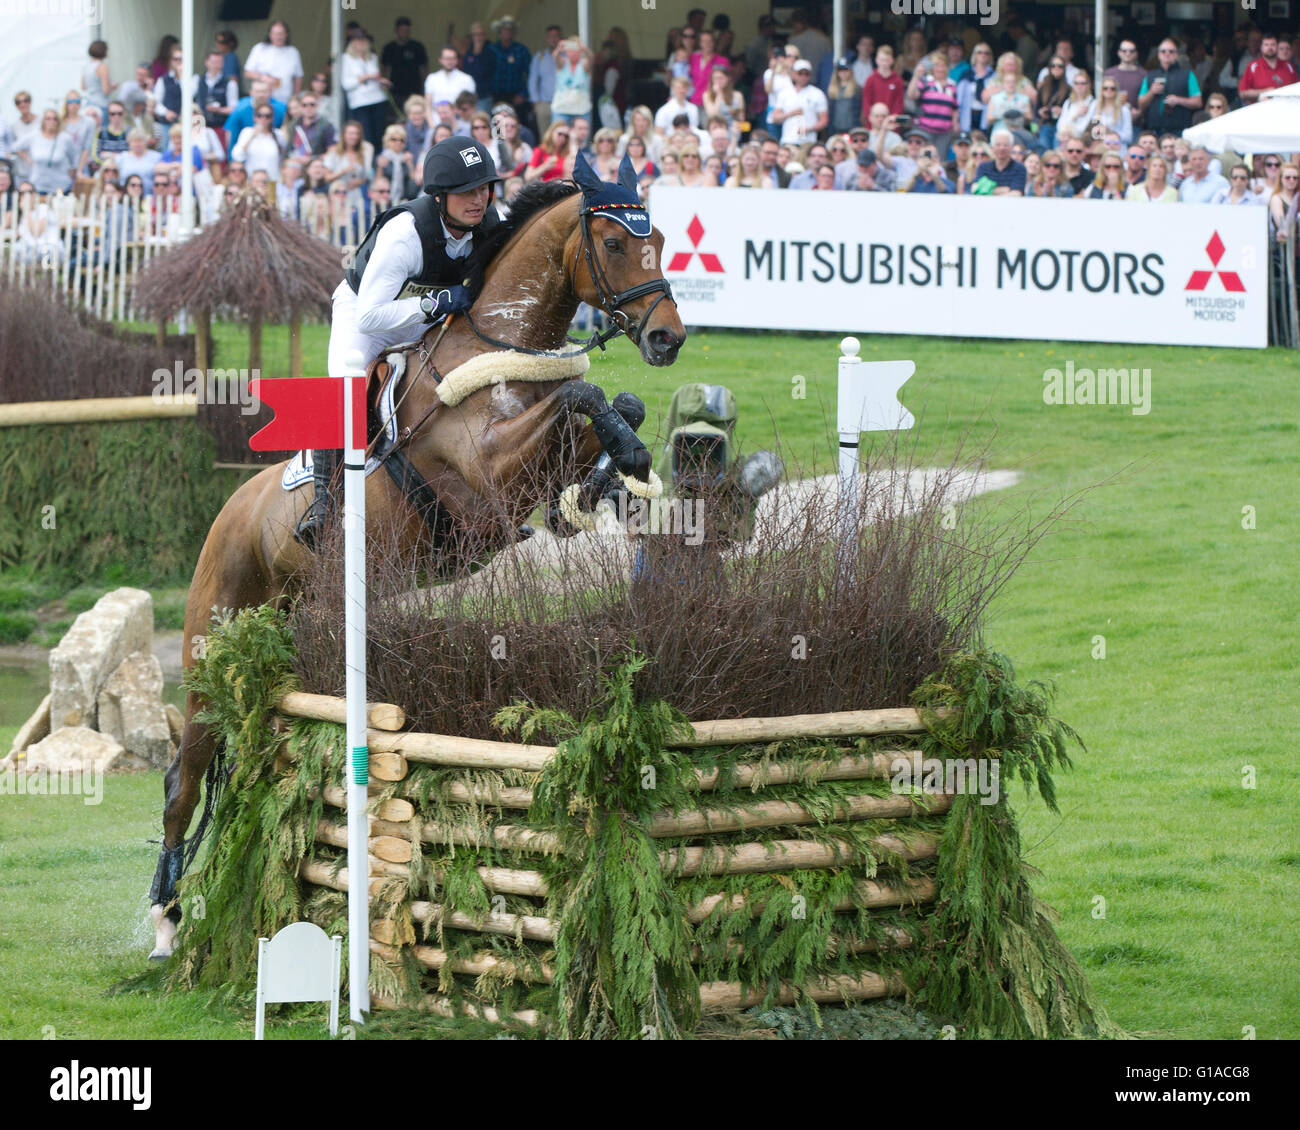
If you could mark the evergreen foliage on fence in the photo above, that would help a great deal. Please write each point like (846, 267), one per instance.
(137, 496)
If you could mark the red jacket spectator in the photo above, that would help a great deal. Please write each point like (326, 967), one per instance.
(889, 90)
(1260, 76)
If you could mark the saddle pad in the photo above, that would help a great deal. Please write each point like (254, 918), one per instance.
(298, 473)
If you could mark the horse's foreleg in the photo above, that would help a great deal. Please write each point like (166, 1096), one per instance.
(181, 785)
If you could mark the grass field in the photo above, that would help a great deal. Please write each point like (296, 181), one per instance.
(1178, 887)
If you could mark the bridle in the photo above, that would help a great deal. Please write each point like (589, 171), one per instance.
(611, 302)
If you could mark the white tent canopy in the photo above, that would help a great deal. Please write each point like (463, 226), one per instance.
(1271, 125)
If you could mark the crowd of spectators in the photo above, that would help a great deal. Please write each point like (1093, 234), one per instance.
(955, 108)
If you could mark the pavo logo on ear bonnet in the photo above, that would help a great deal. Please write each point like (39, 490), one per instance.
(470, 157)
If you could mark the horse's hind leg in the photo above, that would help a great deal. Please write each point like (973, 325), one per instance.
(181, 787)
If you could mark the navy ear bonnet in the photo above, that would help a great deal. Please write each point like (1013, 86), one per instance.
(615, 200)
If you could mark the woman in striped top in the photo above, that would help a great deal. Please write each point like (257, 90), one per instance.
(936, 102)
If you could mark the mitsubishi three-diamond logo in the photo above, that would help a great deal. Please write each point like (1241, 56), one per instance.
(681, 260)
(1201, 279)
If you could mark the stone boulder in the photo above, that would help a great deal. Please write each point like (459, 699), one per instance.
(75, 748)
(120, 623)
(131, 710)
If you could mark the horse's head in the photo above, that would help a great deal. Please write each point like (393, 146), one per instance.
(618, 268)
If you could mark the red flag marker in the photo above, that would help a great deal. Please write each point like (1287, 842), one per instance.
(308, 412)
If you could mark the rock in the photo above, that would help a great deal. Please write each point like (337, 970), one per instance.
(175, 722)
(121, 622)
(34, 729)
(131, 709)
(75, 748)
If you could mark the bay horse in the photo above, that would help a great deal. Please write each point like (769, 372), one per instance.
(481, 456)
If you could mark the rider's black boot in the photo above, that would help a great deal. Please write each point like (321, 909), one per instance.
(312, 523)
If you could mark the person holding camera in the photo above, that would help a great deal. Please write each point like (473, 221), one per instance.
(930, 176)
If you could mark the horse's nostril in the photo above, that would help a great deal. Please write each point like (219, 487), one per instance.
(664, 340)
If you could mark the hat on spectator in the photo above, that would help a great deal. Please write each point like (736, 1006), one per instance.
(859, 131)
(1013, 117)
(504, 108)
(962, 139)
(918, 134)
(844, 62)
(866, 157)
(802, 65)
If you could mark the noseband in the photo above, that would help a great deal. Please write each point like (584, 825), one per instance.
(612, 301)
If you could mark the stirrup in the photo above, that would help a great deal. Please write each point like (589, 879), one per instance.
(312, 523)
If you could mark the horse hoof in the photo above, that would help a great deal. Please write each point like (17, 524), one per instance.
(164, 934)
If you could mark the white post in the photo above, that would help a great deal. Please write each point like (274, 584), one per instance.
(354, 627)
(1099, 45)
(849, 426)
(187, 112)
(584, 29)
(336, 66)
(837, 29)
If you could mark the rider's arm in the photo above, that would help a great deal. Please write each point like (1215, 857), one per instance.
(395, 258)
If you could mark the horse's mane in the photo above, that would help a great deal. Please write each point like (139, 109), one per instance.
(524, 205)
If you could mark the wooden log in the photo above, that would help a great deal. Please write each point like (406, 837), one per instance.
(503, 880)
(897, 940)
(872, 895)
(510, 836)
(255, 341)
(319, 874)
(393, 809)
(478, 964)
(842, 724)
(295, 346)
(851, 767)
(98, 409)
(775, 813)
(202, 339)
(784, 855)
(327, 708)
(472, 753)
(34, 729)
(533, 927)
(392, 849)
(723, 996)
(854, 767)
(441, 1006)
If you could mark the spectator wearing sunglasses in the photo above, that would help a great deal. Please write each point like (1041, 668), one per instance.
(258, 146)
(1127, 74)
(1049, 183)
(1110, 183)
(1170, 93)
(1238, 190)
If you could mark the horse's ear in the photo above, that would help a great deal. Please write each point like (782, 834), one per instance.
(627, 174)
(585, 176)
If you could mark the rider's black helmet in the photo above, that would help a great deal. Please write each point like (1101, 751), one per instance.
(458, 164)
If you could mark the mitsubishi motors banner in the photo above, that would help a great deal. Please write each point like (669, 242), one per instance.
(1076, 270)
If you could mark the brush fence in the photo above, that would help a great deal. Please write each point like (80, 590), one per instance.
(395, 828)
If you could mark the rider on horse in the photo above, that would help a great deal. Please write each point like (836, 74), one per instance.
(407, 275)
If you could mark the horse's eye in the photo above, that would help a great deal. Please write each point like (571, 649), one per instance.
(613, 245)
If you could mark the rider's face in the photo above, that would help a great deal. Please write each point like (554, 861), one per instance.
(469, 207)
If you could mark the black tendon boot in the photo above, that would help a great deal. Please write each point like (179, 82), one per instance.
(166, 910)
(312, 523)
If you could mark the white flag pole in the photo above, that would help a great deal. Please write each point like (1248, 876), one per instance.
(866, 401)
(354, 622)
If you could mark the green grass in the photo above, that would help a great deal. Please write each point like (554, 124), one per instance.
(1200, 877)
